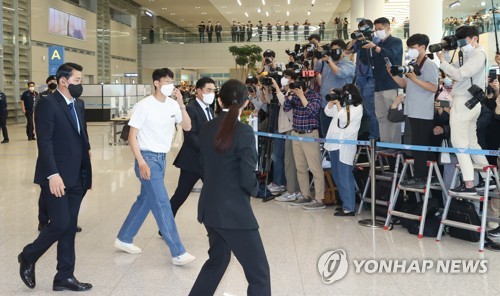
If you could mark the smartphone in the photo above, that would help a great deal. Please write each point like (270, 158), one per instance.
(492, 75)
(444, 104)
(387, 62)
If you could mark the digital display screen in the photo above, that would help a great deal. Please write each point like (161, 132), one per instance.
(63, 23)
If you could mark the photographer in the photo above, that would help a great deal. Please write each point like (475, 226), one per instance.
(305, 104)
(335, 71)
(463, 121)
(346, 112)
(364, 73)
(421, 84)
(384, 46)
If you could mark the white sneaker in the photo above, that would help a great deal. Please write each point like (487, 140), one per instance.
(183, 259)
(129, 248)
(278, 189)
(272, 186)
(287, 197)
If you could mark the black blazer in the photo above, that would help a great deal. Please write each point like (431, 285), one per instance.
(61, 149)
(229, 179)
(188, 156)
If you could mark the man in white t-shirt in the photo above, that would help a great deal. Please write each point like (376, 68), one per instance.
(152, 127)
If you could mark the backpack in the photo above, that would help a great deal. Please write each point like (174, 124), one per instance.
(432, 219)
(465, 212)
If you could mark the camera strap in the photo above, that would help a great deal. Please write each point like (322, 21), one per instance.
(461, 63)
(348, 110)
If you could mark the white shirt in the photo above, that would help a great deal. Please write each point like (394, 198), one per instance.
(68, 101)
(204, 107)
(155, 121)
(347, 152)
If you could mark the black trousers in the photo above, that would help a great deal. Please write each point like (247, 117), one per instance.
(217, 34)
(246, 245)
(63, 218)
(233, 36)
(29, 124)
(187, 180)
(209, 34)
(421, 133)
(3, 124)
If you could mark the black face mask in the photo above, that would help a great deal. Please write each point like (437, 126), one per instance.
(336, 54)
(75, 90)
(52, 86)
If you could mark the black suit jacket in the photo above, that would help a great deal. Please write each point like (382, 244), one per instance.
(229, 179)
(188, 156)
(61, 149)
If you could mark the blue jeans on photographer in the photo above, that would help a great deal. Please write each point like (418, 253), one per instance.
(366, 86)
(153, 197)
(343, 178)
(278, 159)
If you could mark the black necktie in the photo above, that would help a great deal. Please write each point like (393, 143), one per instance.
(73, 115)
(208, 113)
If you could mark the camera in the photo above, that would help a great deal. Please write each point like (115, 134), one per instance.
(411, 67)
(364, 31)
(450, 42)
(336, 95)
(478, 96)
(266, 81)
(325, 51)
(298, 84)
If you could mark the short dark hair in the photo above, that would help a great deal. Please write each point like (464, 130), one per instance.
(418, 39)
(31, 82)
(161, 73)
(291, 73)
(467, 31)
(339, 42)
(382, 20)
(365, 22)
(66, 70)
(314, 36)
(203, 81)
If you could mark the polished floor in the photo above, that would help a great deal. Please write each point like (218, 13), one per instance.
(294, 240)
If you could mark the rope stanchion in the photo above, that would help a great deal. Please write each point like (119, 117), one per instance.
(372, 223)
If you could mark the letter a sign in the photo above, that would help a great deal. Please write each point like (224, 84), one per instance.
(56, 58)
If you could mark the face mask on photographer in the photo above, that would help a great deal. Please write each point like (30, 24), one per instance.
(413, 53)
(469, 47)
(447, 82)
(336, 54)
(284, 81)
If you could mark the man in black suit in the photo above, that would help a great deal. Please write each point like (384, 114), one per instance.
(200, 112)
(228, 159)
(64, 173)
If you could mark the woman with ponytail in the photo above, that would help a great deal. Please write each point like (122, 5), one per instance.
(228, 159)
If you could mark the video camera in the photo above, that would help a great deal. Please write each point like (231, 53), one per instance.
(364, 31)
(450, 42)
(411, 67)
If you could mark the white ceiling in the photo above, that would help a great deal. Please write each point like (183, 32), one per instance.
(189, 13)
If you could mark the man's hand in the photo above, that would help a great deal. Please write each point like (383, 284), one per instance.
(440, 55)
(298, 92)
(438, 130)
(145, 171)
(410, 75)
(24, 111)
(178, 96)
(497, 59)
(325, 58)
(495, 85)
(275, 84)
(369, 44)
(56, 185)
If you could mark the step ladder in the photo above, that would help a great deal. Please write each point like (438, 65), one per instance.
(384, 175)
(491, 171)
(433, 168)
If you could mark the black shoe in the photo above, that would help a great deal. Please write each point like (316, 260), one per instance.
(5, 141)
(494, 232)
(482, 185)
(416, 183)
(159, 233)
(339, 209)
(26, 271)
(78, 228)
(41, 226)
(34, 139)
(344, 213)
(269, 198)
(463, 190)
(71, 284)
(30, 139)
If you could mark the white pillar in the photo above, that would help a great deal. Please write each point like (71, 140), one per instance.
(374, 9)
(357, 11)
(426, 17)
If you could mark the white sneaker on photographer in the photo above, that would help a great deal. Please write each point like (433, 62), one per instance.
(288, 197)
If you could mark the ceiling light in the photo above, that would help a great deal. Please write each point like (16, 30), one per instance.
(288, 2)
(263, 2)
(267, 13)
(288, 13)
(239, 2)
(312, 2)
(148, 13)
(308, 12)
(258, 10)
(483, 3)
(454, 4)
(246, 14)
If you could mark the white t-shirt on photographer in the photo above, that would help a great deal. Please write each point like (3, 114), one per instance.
(155, 121)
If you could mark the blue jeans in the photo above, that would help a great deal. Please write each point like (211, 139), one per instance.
(278, 158)
(153, 197)
(366, 86)
(344, 180)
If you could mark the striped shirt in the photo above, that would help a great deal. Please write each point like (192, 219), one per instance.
(304, 118)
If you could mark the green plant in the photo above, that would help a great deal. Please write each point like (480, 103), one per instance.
(246, 57)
